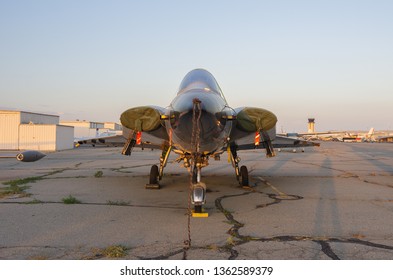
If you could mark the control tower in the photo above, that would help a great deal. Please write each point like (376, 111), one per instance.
(311, 125)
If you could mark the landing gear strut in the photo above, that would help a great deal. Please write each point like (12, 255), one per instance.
(196, 175)
(164, 159)
(156, 172)
(242, 172)
(198, 197)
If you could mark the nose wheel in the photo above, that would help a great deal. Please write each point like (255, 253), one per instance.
(198, 197)
(198, 209)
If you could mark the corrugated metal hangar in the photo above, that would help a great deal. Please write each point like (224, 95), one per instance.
(20, 130)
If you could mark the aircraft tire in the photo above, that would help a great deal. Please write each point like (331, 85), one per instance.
(198, 208)
(244, 175)
(154, 175)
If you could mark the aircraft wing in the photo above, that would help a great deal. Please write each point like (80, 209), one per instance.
(257, 122)
(144, 119)
(147, 141)
(247, 143)
(288, 142)
(250, 121)
(112, 140)
(148, 121)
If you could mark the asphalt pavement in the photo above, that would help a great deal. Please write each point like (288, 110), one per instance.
(330, 202)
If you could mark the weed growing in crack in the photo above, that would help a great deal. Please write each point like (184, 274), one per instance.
(13, 190)
(23, 181)
(70, 200)
(18, 186)
(118, 202)
(213, 247)
(34, 201)
(98, 174)
(117, 251)
(230, 241)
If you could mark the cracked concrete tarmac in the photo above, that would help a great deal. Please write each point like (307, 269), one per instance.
(332, 202)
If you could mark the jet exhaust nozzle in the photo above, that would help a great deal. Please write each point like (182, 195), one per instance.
(30, 156)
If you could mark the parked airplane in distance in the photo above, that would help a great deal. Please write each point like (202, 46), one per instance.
(343, 136)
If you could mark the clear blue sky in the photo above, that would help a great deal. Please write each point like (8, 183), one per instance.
(332, 60)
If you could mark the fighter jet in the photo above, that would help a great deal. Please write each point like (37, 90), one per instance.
(199, 125)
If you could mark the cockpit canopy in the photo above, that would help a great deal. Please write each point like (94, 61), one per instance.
(200, 79)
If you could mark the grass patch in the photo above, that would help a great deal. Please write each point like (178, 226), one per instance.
(70, 200)
(230, 241)
(15, 187)
(13, 190)
(18, 186)
(213, 247)
(23, 181)
(98, 174)
(117, 251)
(118, 202)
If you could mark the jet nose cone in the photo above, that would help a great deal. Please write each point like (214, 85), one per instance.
(207, 103)
(198, 109)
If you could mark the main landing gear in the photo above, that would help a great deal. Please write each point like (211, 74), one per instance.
(154, 175)
(242, 172)
(156, 172)
(243, 176)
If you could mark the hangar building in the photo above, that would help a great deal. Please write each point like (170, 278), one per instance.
(20, 130)
(87, 129)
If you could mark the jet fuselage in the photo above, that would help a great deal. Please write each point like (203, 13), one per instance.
(214, 127)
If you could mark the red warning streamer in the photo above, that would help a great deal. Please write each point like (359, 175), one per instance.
(257, 138)
(138, 138)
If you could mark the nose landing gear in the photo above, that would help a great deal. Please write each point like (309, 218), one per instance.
(198, 194)
(198, 197)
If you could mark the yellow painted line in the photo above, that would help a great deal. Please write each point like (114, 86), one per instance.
(273, 187)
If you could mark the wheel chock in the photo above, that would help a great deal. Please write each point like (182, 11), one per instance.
(199, 215)
(152, 186)
(248, 188)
